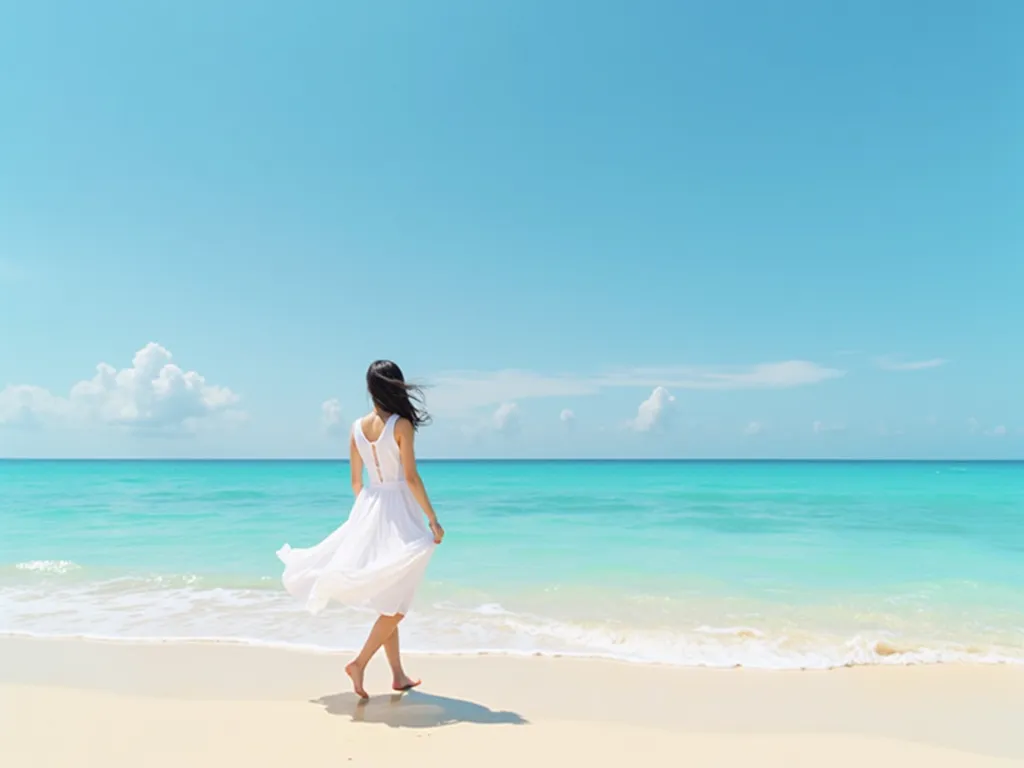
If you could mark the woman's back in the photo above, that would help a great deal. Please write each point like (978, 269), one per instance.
(380, 454)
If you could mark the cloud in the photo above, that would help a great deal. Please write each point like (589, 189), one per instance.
(891, 363)
(784, 375)
(975, 427)
(753, 428)
(153, 395)
(506, 418)
(331, 417)
(462, 391)
(653, 411)
(26, 405)
(468, 390)
(821, 428)
(567, 417)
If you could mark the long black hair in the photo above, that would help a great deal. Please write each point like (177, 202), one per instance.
(391, 394)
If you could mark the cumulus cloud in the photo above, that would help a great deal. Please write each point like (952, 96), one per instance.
(997, 431)
(753, 428)
(331, 417)
(27, 405)
(462, 391)
(506, 417)
(893, 363)
(567, 417)
(153, 394)
(653, 411)
(973, 425)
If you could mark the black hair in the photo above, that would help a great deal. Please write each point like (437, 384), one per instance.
(391, 394)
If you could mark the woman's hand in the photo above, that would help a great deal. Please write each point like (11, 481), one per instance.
(437, 530)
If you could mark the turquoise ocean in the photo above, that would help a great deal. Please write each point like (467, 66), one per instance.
(759, 564)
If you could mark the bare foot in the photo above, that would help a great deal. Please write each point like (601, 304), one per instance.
(355, 671)
(405, 683)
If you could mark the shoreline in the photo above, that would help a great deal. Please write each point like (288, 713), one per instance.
(289, 647)
(114, 703)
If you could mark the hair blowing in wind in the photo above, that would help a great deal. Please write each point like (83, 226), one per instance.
(391, 394)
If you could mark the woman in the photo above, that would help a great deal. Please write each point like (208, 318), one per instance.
(378, 556)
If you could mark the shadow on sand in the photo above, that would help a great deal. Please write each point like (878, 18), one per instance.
(414, 710)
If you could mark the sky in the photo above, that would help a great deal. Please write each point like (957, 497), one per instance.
(603, 229)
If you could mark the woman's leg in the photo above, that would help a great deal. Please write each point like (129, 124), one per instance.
(381, 630)
(400, 680)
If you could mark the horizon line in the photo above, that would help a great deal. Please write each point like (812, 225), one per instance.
(524, 460)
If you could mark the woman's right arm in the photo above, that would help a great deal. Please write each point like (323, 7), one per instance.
(355, 463)
(404, 434)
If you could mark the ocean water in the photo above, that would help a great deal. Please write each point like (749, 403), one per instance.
(759, 564)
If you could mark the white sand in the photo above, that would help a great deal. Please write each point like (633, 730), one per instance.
(76, 703)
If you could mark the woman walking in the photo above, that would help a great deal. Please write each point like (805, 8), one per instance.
(377, 558)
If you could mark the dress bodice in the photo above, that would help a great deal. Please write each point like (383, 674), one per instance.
(381, 456)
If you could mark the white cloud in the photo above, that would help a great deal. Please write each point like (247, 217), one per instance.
(567, 417)
(891, 363)
(975, 427)
(821, 428)
(784, 375)
(331, 417)
(468, 390)
(28, 405)
(462, 391)
(506, 418)
(753, 428)
(153, 394)
(652, 412)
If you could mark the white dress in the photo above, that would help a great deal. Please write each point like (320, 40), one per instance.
(377, 558)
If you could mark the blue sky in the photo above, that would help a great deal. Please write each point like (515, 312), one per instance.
(801, 221)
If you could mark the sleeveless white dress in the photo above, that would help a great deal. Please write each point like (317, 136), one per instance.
(377, 558)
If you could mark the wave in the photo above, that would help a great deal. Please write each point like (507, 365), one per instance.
(177, 611)
(858, 652)
(48, 566)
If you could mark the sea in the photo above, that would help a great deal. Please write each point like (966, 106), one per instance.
(775, 565)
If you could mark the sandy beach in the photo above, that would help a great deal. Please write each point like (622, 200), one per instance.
(79, 703)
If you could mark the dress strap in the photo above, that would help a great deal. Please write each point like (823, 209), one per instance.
(357, 429)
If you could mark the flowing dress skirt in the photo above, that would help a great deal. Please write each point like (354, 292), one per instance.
(376, 559)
